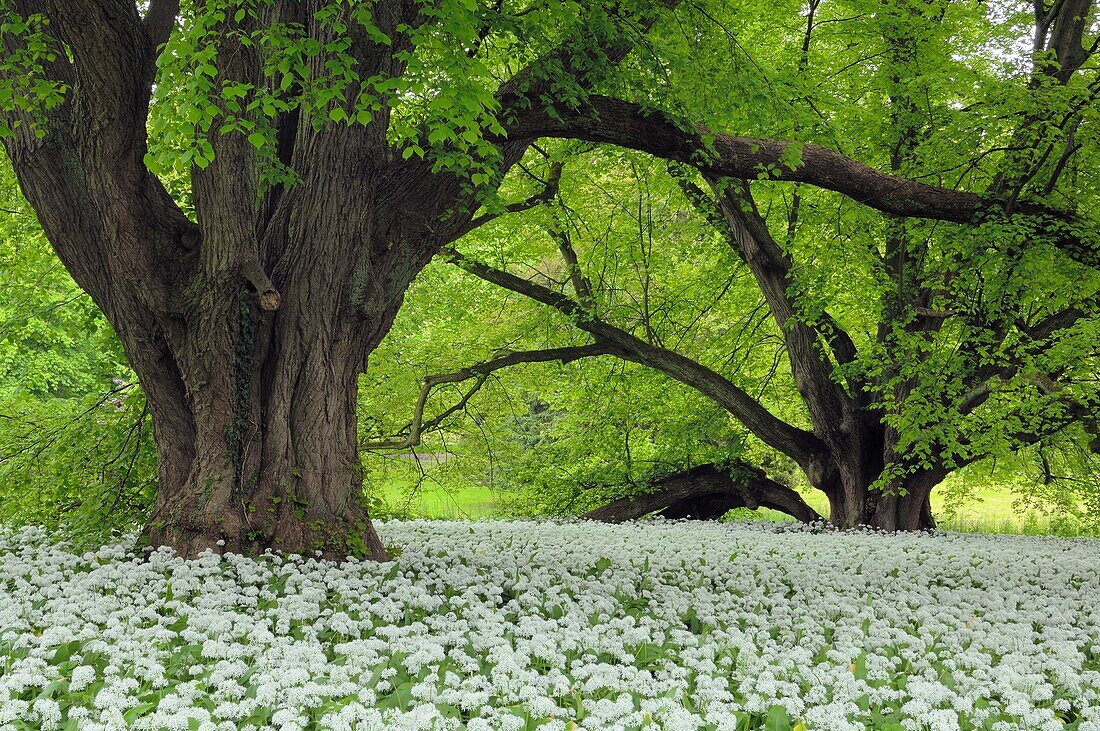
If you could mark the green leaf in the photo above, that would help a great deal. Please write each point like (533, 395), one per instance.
(777, 719)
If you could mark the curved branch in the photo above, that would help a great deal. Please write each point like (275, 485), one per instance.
(549, 190)
(800, 445)
(626, 124)
(707, 492)
(480, 371)
(839, 342)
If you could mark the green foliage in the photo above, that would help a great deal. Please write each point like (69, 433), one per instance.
(907, 87)
(85, 466)
(596, 429)
(53, 340)
(76, 448)
(436, 100)
(25, 88)
(554, 439)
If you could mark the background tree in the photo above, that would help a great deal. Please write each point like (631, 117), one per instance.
(981, 343)
(332, 149)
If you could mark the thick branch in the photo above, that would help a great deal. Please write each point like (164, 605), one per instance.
(160, 21)
(800, 445)
(254, 273)
(1070, 24)
(770, 266)
(114, 64)
(1051, 324)
(626, 124)
(116, 221)
(707, 492)
(479, 371)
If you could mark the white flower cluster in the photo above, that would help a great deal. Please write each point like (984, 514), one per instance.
(556, 626)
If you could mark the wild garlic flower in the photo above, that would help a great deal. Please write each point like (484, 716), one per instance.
(572, 625)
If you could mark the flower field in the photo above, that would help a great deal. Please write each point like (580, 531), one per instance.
(512, 625)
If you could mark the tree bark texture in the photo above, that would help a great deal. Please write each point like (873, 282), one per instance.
(249, 327)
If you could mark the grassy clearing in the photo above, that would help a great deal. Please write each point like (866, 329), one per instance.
(990, 509)
(410, 498)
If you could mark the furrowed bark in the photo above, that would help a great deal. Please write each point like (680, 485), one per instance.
(248, 330)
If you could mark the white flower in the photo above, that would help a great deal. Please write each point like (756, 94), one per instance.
(48, 712)
(82, 677)
(688, 623)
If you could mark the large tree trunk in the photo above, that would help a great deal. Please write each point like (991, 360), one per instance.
(249, 326)
(265, 453)
(901, 505)
(904, 504)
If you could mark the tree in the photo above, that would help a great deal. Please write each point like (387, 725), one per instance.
(974, 330)
(332, 149)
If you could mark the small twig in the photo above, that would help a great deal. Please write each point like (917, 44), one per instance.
(547, 194)
(140, 425)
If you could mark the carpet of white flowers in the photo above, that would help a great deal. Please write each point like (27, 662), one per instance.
(513, 625)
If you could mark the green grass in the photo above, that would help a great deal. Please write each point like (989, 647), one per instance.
(989, 509)
(405, 498)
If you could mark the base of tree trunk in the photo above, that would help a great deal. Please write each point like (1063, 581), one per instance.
(267, 523)
(707, 492)
(334, 540)
(890, 511)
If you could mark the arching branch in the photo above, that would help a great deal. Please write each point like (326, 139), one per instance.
(707, 492)
(777, 263)
(480, 372)
(627, 124)
(549, 190)
(800, 445)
